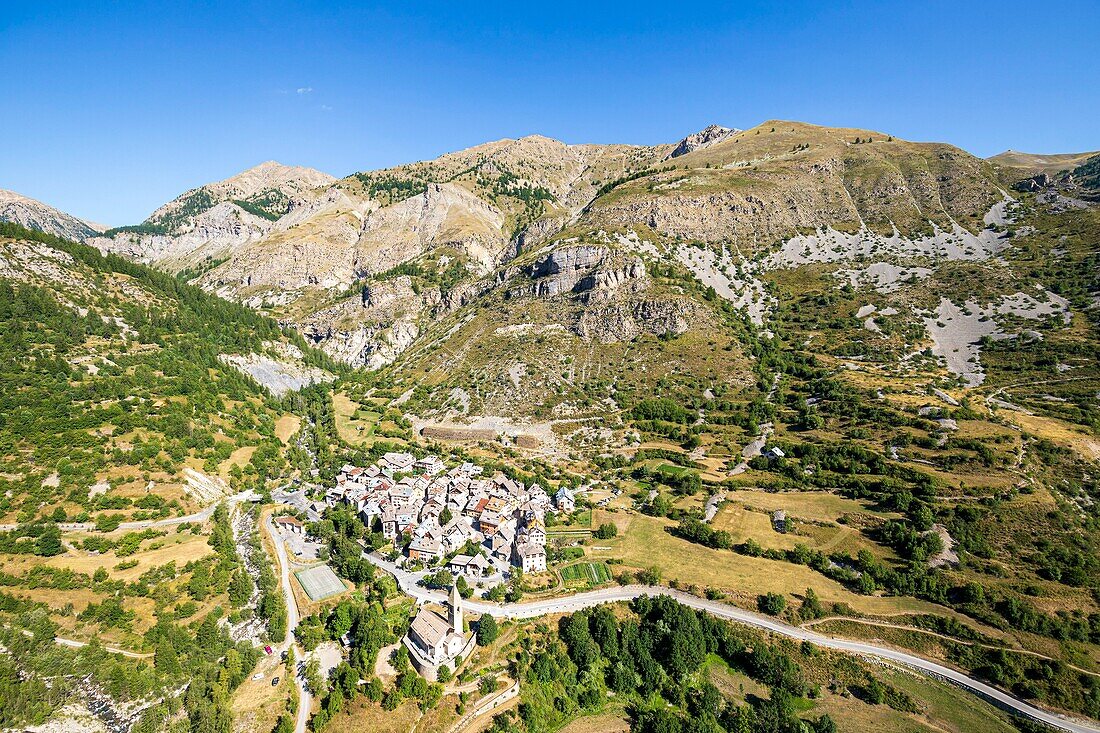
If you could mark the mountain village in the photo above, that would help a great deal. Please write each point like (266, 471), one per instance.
(791, 428)
(481, 526)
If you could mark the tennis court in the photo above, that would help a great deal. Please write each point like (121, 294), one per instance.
(320, 582)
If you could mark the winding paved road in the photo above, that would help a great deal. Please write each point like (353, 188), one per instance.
(305, 700)
(580, 601)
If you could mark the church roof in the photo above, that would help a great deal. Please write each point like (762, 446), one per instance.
(430, 627)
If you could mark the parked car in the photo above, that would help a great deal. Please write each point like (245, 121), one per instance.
(258, 676)
(274, 681)
(268, 650)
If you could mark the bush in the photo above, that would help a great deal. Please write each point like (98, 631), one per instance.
(606, 531)
(771, 603)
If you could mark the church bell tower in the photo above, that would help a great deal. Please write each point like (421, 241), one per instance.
(456, 610)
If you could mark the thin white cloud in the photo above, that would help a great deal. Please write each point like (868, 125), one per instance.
(305, 90)
(326, 108)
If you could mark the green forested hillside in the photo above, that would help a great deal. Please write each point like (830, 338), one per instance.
(110, 372)
(112, 394)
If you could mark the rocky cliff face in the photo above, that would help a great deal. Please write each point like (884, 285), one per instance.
(626, 320)
(346, 239)
(592, 271)
(444, 215)
(212, 234)
(373, 328)
(704, 138)
(36, 215)
(368, 345)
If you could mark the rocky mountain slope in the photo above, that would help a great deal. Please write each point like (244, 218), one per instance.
(26, 212)
(94, 332)
(463, 224)
(598, 244)
(210, 222)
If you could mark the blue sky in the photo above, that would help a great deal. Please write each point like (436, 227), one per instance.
(110, 109)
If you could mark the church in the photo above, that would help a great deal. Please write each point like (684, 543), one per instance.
(434, 641)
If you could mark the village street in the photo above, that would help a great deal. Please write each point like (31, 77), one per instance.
(293, 617)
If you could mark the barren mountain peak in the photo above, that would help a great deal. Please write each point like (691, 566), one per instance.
(273, 172)
(33, 214)
(706, 137)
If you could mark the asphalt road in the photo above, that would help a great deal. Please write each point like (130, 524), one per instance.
(305, 700)
(580, 601)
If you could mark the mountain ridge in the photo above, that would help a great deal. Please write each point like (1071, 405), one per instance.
(781, 191)
(33, 214)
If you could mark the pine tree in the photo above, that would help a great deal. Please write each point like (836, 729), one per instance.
(240, 588)
(487, 630)
(166, 659)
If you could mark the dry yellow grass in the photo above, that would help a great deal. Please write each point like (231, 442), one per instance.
(1058, 432)
(744, 524)
(344, 407)
(643, 542)
(603, 723)
(351, 430)
(986, 429)
(239, 457)
(495, 653)
(144, 614)
(57, 599)
(817, 506)
(957, 479)
(486, 721)
(256, 704)
(181, 548)
(441, 717)
(286, 426)
(944, 709)
(364, 715)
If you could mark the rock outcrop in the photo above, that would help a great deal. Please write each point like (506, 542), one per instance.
(592, 271)
(371, 346)
(372, 329)
(706, 137)
(1034, 183)
(212, 234)
(624, 321)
